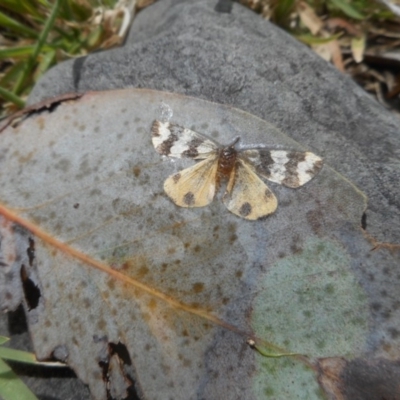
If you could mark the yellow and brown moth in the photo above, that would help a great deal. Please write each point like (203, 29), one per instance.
(246, 194)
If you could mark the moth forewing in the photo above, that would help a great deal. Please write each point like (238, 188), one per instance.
(194, 186)
(289, 168)
(173, 140)
(247, 195)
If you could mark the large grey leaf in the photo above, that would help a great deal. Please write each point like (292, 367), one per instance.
(127, 287)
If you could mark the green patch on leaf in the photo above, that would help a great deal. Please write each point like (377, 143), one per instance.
(308, 304)
(285, 378)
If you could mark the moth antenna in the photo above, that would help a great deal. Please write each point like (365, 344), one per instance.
(234, 143)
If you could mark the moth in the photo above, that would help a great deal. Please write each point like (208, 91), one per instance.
(246, 194)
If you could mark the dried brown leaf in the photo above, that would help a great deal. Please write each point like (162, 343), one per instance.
(309, 18)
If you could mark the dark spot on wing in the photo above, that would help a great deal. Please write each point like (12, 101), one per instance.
(268, 194)
(155, 129)
(193, 145)
(291, 181)
(291, 176)
(245, 209)
(176, 177)
(315, 168)
(265, 163)
(191, 152)
(165, 147)
(176, 130)
(295, 157)
(188, 198)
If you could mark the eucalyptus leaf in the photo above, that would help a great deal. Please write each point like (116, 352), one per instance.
(126, 285)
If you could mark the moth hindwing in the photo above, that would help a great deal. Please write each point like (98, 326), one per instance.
(246, 194)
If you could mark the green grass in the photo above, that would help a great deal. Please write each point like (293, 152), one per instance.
(11, 386)
(38, 34)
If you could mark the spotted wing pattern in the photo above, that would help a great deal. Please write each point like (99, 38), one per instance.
(176, 141)
(247, 195)
(194, 186)
(289, 168)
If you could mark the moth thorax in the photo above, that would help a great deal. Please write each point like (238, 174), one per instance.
(226, 161)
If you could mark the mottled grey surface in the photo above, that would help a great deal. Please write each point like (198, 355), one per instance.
(237, 58)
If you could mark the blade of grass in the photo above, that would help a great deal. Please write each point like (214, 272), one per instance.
(11, 387)
(17, 27)
(20, 52)
(17, 355)
(15, 52)
(42, 38)
(81, 11)
(24, 356)
(347, 8)
(67, 11)
(75, 47)
(310, 39)
(63, 33)
(46, 61)
(283, 10)
(7, 353)
(94, 37)
(11, 74)
(3, 339)
(9, 96)
(21, 7)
